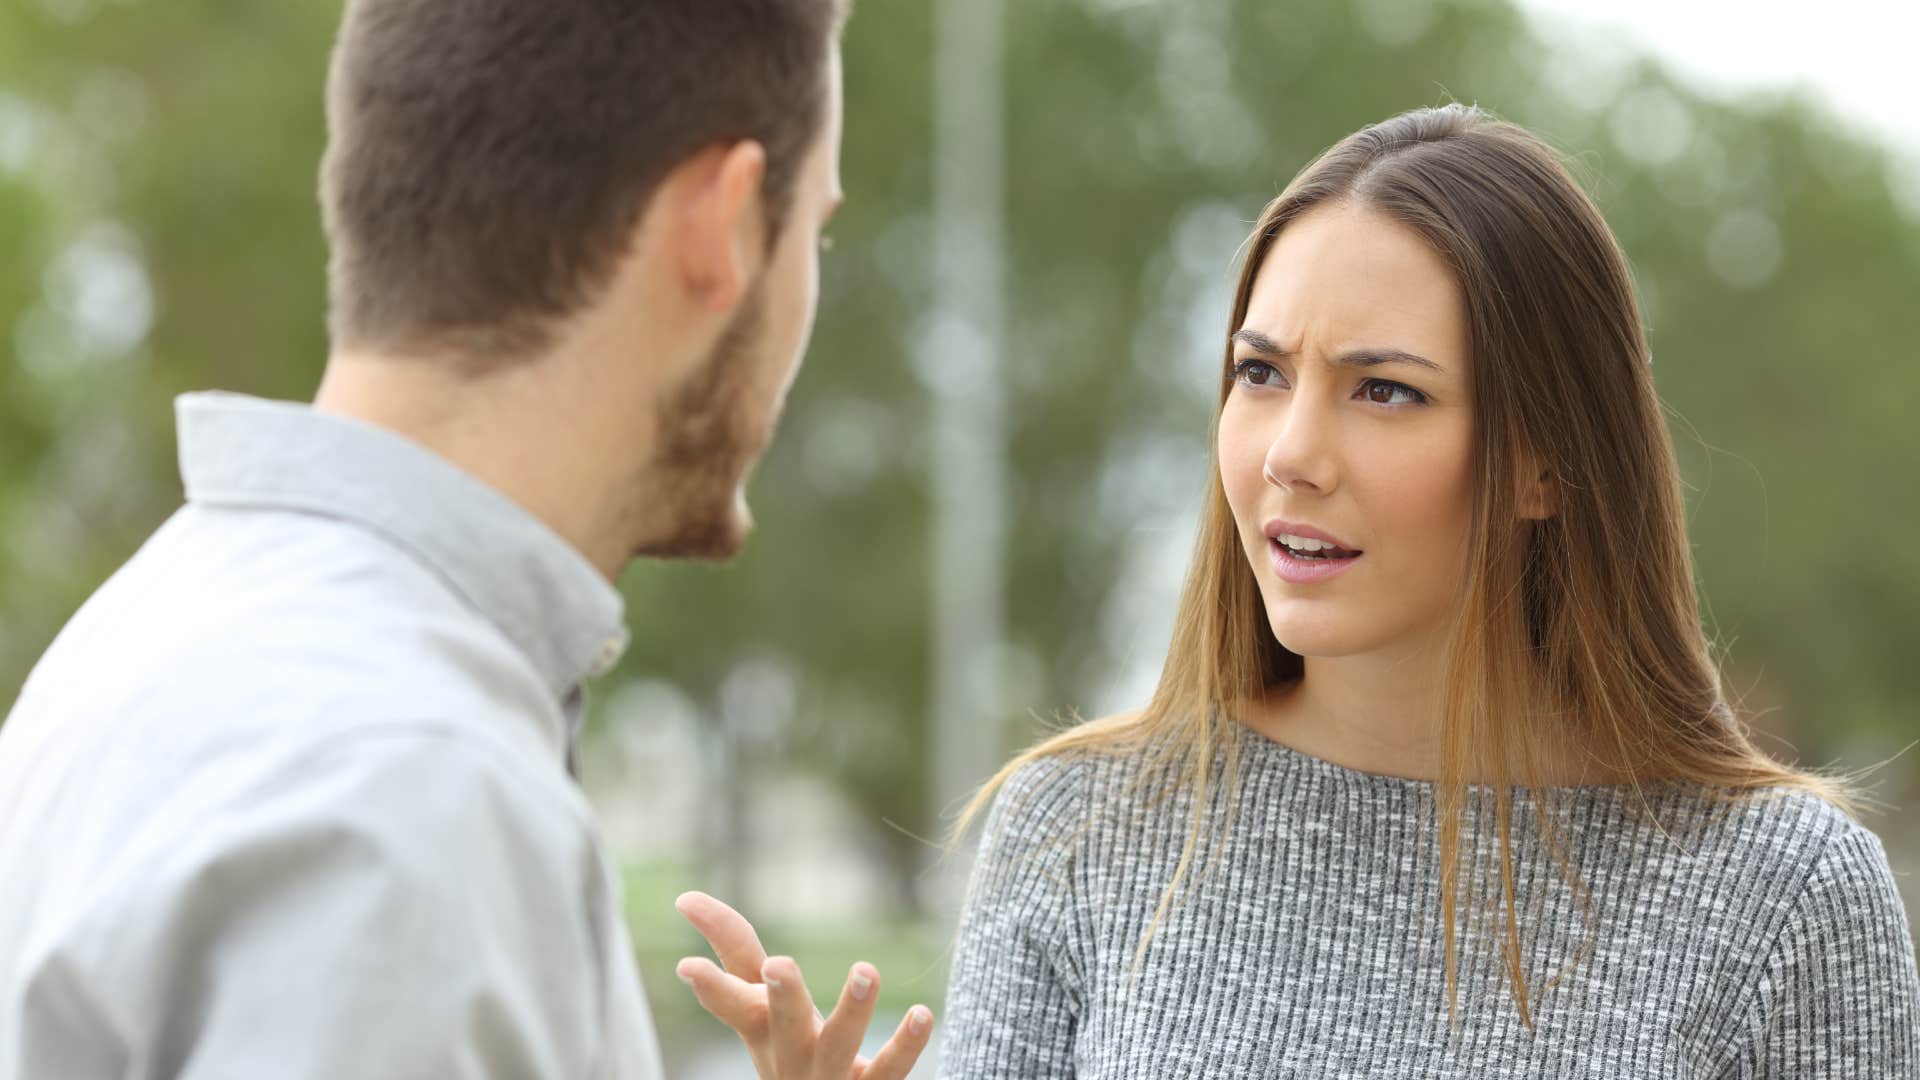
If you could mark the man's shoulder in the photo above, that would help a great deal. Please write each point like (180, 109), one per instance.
(425, 788)
(417, 812)
(241, 580)
(259, 628)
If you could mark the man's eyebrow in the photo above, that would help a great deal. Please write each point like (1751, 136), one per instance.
(1364, 357)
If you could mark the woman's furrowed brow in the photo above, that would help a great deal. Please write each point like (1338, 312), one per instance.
(1364, 357)
(1370, 357)
(1260, 342)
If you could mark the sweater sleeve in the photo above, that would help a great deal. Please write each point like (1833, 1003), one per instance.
(1013, 1005)
(1838, 995)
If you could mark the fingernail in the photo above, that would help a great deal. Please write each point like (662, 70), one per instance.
(773, 972)
(688, 979)
(919, 1018)
(860, 984)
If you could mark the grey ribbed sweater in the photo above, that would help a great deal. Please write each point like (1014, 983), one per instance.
(1765, 939)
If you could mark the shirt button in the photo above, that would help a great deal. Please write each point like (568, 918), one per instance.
(608, 656)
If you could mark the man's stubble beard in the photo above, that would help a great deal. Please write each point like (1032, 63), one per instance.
(708, 441)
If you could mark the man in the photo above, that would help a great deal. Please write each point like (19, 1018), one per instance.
(290, 796)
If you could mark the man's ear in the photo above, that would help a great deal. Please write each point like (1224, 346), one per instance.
(1539, 492)
(713, 220)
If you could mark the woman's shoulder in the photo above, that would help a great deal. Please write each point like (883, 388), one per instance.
(1773, 826)
(1832, 956)
(1778, 844)
(1061, 783)
(1042, 792)
(1826, 845)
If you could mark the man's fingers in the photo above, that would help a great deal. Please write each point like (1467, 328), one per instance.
(791, 1019)
(735, 1002)
(841, 1035)
(896, 1059)
(728, 931)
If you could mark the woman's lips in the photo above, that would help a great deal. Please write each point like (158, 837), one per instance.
(1276, 528)
(1295, 570)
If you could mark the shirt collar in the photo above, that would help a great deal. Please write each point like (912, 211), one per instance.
(515, 571)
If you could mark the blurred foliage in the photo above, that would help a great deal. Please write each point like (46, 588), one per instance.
(164, 155)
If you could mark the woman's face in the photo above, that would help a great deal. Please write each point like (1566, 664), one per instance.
(1350, 420)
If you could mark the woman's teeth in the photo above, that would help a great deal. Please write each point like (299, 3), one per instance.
(1308, 548)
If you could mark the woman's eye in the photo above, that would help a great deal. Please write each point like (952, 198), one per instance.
(1381, 392)
(1255, 373)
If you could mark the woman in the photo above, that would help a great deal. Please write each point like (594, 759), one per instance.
(1438, 779)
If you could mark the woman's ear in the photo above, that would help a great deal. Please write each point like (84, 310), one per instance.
(1539, 493)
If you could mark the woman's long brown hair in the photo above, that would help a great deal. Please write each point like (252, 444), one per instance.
(1583, 630)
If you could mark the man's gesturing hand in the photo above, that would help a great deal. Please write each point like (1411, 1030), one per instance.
(766, 1003)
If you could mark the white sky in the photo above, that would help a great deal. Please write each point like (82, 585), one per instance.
(1857, 54)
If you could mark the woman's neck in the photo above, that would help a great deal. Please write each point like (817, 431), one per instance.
(1366, 714)
(1384, 716)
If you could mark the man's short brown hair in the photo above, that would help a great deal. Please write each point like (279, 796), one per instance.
(487, 159)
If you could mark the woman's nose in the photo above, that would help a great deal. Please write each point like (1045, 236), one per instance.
(1300, 455)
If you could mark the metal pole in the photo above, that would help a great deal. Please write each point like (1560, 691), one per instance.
(960, 361)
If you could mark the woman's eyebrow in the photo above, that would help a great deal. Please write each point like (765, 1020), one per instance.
(1364, 357)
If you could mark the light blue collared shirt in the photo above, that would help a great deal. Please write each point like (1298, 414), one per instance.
(288, 797)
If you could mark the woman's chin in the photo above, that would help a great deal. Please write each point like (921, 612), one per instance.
(1317, 636)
